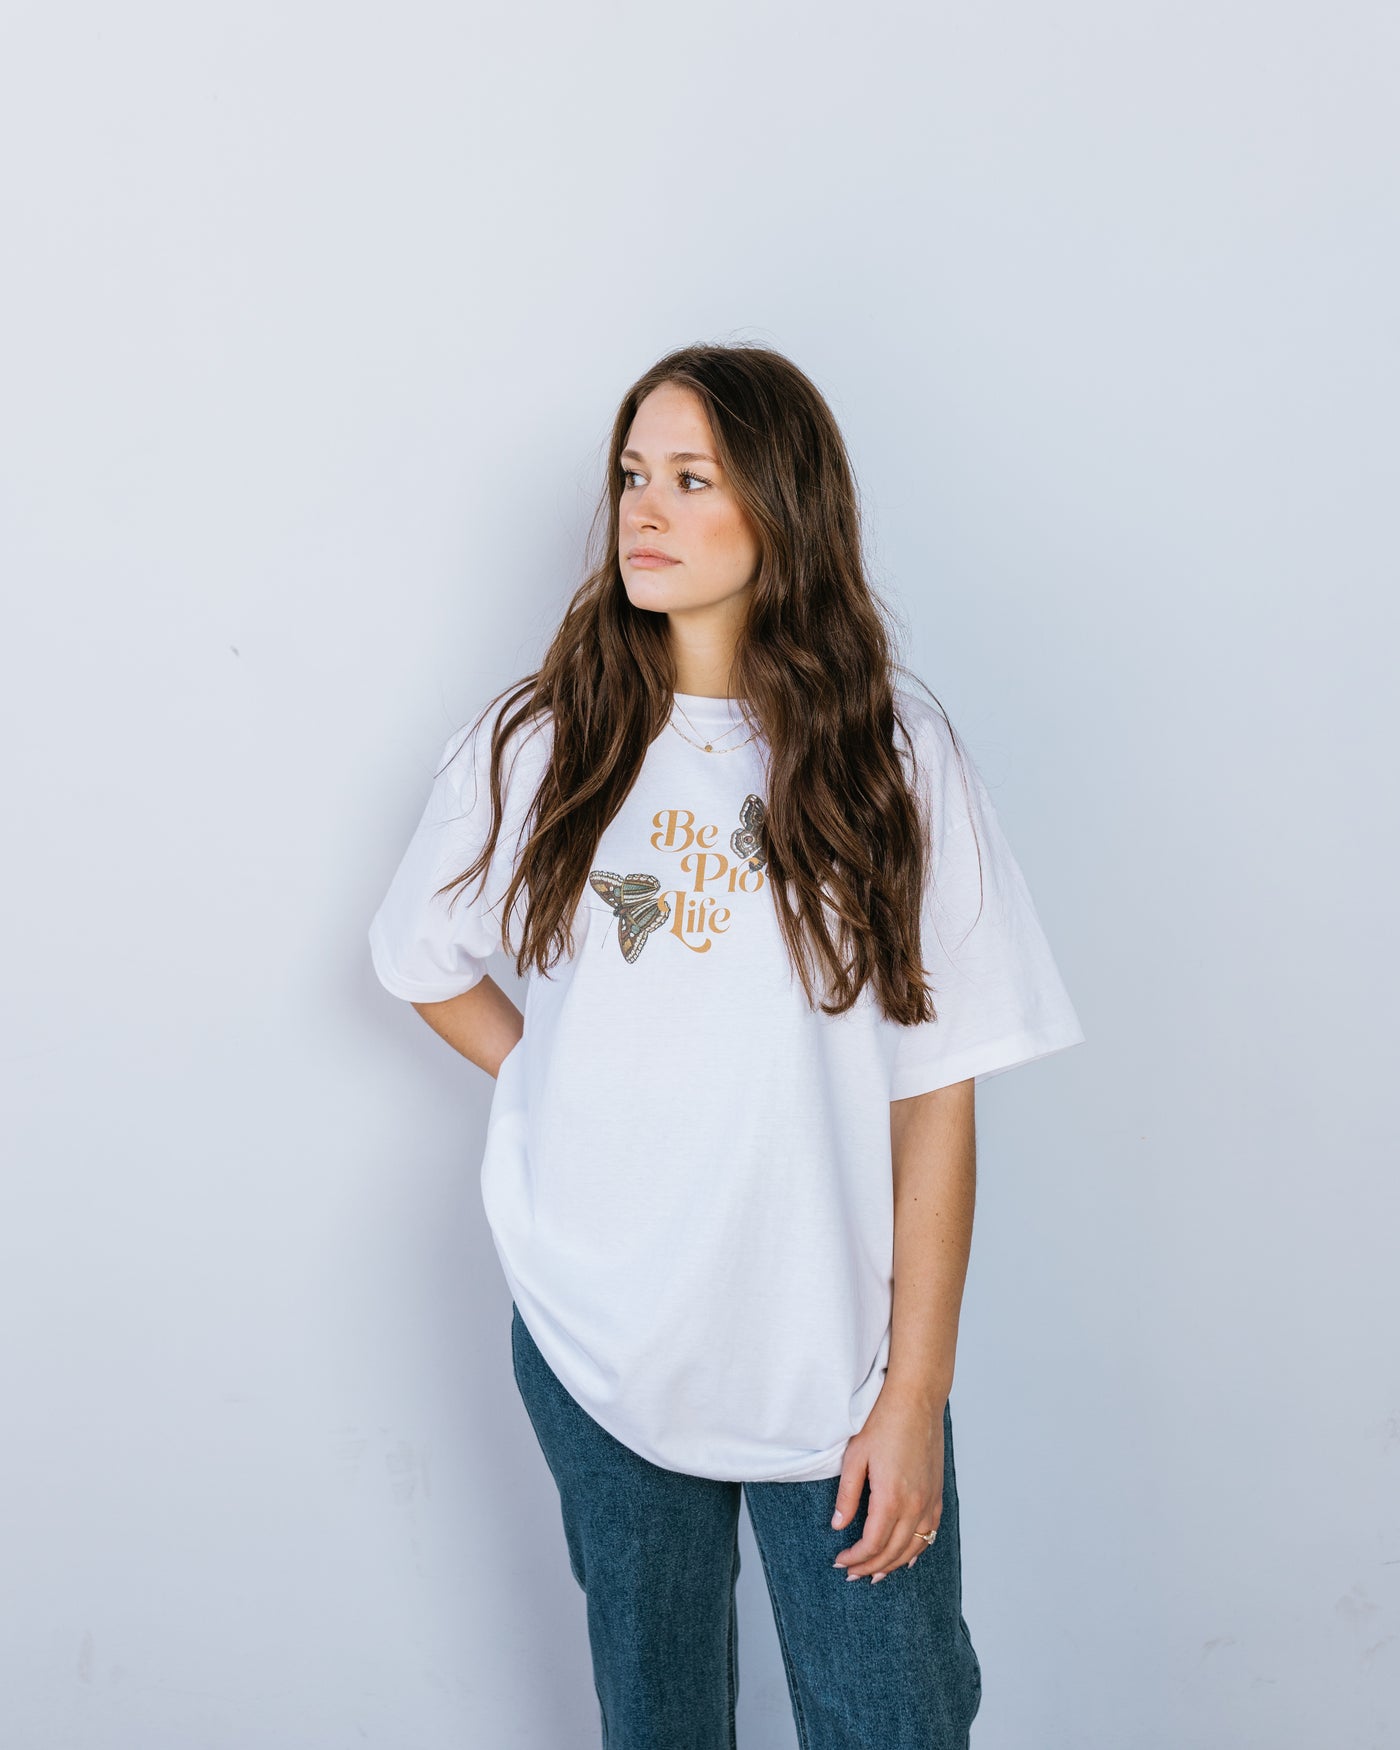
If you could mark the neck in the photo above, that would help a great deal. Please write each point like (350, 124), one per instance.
(702, 655)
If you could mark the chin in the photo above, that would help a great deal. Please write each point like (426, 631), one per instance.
(645, 590)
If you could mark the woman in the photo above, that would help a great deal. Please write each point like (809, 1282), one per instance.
(773, 935)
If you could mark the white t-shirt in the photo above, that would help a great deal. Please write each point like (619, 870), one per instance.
(687, 1171)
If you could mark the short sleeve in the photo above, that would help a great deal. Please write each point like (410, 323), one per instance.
(427, 946)
(998, 992)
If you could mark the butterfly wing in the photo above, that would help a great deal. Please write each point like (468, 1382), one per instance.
(638, 905)
(607, 885)
(746, 840)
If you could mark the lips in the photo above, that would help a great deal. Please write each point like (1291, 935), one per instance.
(653, 555)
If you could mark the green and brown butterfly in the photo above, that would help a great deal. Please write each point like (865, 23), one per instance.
(637, 901)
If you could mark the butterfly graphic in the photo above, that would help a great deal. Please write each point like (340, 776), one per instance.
(746, 840)
(639, 909)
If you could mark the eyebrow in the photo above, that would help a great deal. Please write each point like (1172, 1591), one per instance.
(675, 456)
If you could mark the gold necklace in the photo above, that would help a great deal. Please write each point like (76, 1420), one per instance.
(708, 746)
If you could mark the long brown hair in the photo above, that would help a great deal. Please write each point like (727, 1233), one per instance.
(813, 669)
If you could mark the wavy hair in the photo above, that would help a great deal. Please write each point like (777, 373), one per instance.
(846, 841)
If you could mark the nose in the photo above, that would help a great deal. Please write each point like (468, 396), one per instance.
(643, 512)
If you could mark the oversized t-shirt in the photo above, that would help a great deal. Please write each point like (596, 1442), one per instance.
(687, 1170)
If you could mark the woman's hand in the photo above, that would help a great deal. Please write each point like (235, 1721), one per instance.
(900, 1450)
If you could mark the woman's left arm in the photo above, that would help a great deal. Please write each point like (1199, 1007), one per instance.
(933, 1140)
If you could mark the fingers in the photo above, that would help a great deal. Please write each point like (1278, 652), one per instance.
(889, 1542)
(909, 1554)
(848, 1492)
(880, 1544)
(859, 1560)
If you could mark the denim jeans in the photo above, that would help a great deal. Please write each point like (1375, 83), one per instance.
(887, 1667)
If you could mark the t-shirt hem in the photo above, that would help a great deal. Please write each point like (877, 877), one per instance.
(823, 1467)
(817, 1465)
(990, 1058)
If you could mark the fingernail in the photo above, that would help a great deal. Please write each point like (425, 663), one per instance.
(851, 1577)
(835, 1520)
(875, 1579)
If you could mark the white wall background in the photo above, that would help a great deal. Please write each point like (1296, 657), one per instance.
(313, 323)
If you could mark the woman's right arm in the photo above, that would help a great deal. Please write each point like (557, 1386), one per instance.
(482, 1023)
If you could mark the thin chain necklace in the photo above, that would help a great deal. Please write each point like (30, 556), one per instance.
(707, 746)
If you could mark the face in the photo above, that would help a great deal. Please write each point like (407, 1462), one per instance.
(676, 501)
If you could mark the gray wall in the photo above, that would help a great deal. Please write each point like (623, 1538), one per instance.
(313, 325)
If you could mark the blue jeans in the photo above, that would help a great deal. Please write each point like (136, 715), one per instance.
(887, 1667)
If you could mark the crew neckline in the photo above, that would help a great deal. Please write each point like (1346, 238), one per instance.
(699, 705)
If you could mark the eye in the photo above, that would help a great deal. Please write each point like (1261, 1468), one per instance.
(685, 474)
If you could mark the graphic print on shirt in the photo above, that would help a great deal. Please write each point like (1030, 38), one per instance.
(693, 907)
(746, 841)
(640, 910)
